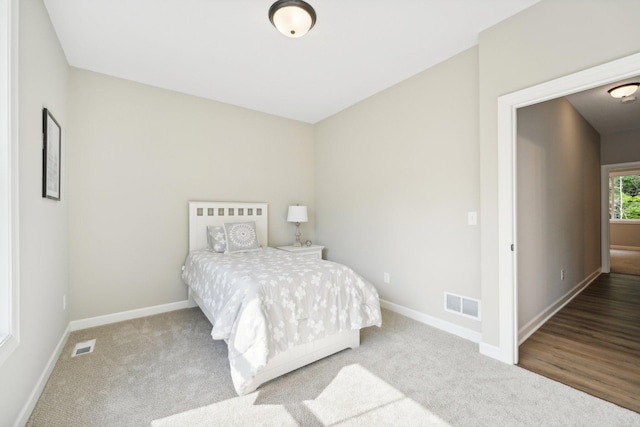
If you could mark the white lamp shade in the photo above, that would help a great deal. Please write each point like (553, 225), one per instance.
(624, 90)
(293, 18)
(297, 214)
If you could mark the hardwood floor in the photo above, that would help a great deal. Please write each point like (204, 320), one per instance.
(593, 344)
(624, 261)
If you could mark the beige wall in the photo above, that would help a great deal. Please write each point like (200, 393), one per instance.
(558, 207)
(43, 232)
(383, 170)
(624, 235)
(620, 147)
(396, 175)
(549, 40)
(137, 155)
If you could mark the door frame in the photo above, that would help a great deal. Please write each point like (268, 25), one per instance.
(604, 216)
(507, 195)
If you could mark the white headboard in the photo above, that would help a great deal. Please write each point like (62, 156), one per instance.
(202, 214)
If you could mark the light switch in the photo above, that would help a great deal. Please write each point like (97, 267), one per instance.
(472, 218)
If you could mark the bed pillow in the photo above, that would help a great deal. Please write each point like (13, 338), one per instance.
(241, 237)
(216, 239)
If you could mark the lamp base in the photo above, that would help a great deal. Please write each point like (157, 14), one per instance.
(297, 243)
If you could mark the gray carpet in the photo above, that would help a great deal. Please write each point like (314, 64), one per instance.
(166, 370)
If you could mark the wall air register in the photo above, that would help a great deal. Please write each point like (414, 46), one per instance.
(464, 306)
(84, 347)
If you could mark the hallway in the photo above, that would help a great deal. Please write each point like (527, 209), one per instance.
(593, 343)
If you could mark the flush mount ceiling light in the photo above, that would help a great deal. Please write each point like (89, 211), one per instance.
(623, 91)
(293, 18)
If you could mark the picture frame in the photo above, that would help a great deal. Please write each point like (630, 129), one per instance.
(51, 155)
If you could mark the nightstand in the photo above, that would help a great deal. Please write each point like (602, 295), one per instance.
(313, 251)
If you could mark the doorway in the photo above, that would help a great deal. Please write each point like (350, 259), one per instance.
(624, 256)
(593, 358)
(507, 236)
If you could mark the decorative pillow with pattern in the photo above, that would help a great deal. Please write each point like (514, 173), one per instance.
(216, 239)
(241, 237)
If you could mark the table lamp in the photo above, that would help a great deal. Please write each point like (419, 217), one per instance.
(297, 214)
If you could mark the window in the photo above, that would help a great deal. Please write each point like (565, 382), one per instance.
(9, 336)
(624, 195)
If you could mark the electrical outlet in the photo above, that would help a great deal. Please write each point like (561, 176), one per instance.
(386, 278)
(562, 274)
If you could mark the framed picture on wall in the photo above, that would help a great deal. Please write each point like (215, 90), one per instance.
(51, 155)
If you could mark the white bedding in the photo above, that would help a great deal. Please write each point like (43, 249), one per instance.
(268, 301)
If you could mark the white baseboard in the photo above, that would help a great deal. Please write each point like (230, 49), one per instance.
(527, 330)
(449, 327)
(625, 248)
(493, 352)
(92, 322)
(27, 409)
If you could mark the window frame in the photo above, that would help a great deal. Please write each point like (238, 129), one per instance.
(9, 250)
(612, 175)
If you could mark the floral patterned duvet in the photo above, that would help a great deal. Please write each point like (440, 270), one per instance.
(266, 302)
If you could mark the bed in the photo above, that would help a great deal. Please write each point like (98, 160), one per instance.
(277, 311)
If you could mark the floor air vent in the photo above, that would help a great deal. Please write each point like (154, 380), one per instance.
(468, 307)
(84, 347)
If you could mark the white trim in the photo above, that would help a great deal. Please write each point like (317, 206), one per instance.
(507, 144)
(605, 233)
(625, 172)
(625, 248)
(9, 217)
(527, 330)
(491, 351)
(507, 238)
(443, 325)
(27, 409)
(8, 344)
(107, 319)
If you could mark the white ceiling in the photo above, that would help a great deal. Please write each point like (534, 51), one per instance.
(605, 113)
(228, 51)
